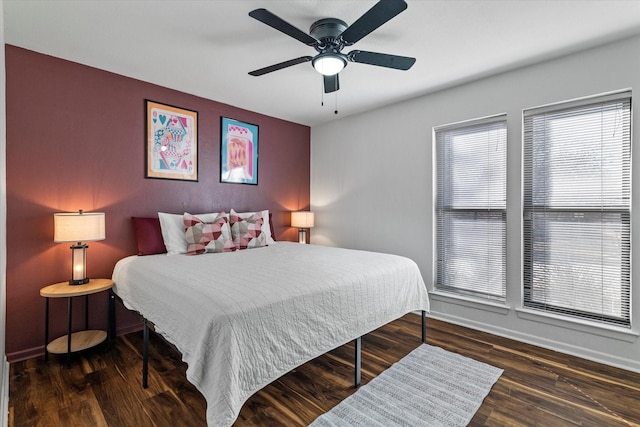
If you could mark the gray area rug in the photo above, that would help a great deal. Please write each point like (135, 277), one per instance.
(428, 387)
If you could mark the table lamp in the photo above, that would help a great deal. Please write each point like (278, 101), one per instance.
(78, 227)
(302, 220)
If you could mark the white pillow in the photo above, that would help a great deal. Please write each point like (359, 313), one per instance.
(266, 226)
(173, 234)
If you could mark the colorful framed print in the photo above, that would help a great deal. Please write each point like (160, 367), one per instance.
(238, 152)
(172, 142)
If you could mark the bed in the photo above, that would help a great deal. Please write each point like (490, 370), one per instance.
(242, 319)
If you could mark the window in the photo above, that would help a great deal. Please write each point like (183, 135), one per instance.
(471, 208)
(577, 162)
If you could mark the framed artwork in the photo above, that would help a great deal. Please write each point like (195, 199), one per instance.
(172, 142)
(238, 152)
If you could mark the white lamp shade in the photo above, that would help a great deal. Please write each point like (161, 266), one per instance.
(302, 219)
(78, 227)
(328, 64)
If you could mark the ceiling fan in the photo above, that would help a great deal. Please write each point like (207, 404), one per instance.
(329, 36)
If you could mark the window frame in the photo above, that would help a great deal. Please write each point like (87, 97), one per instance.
(623, 210)
(441, 209)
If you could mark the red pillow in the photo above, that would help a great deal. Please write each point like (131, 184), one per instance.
(149, 236)
(273, 233)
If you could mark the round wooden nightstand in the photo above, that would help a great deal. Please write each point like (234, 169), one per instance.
(81, 340)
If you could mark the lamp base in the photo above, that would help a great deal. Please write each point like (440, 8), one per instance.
(79, 264)
(302, 236)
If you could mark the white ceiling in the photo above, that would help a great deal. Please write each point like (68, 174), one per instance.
(207, 48)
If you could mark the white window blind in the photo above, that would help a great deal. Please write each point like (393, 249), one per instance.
(471, 208)
(577, 163)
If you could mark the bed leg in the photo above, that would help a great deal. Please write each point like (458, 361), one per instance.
(358, 360)
(424, 326)
(145, 355)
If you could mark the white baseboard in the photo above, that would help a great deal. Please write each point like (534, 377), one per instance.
(4, 392)
(594, 356)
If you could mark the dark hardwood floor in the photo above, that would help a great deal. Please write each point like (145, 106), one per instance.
(102, 386)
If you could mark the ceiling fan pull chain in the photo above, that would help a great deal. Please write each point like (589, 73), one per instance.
(336, 110)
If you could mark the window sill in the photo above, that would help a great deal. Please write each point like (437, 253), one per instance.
(618, 333)
(480, 304)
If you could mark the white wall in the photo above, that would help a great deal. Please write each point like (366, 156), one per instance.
(372, 188)
(4, 366)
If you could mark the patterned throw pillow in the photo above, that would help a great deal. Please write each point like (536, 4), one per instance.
(267, 226)
(247, 232)
(207, 236)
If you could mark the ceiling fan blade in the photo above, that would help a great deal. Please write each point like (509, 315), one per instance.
(280, 66)
(381, 59)
(266, 17)
(331, 83)
(380, 13)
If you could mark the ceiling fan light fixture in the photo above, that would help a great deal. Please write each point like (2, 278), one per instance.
(329, 63)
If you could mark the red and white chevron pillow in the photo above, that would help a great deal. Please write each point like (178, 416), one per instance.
(207, 236)
(247, 232)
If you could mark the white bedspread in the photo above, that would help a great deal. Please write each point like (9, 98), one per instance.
(242, 319)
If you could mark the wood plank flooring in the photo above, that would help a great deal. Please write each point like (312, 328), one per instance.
(102, 386)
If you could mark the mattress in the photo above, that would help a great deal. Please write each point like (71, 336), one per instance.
(242, 319)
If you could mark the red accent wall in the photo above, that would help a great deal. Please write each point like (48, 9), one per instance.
(76, 140)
